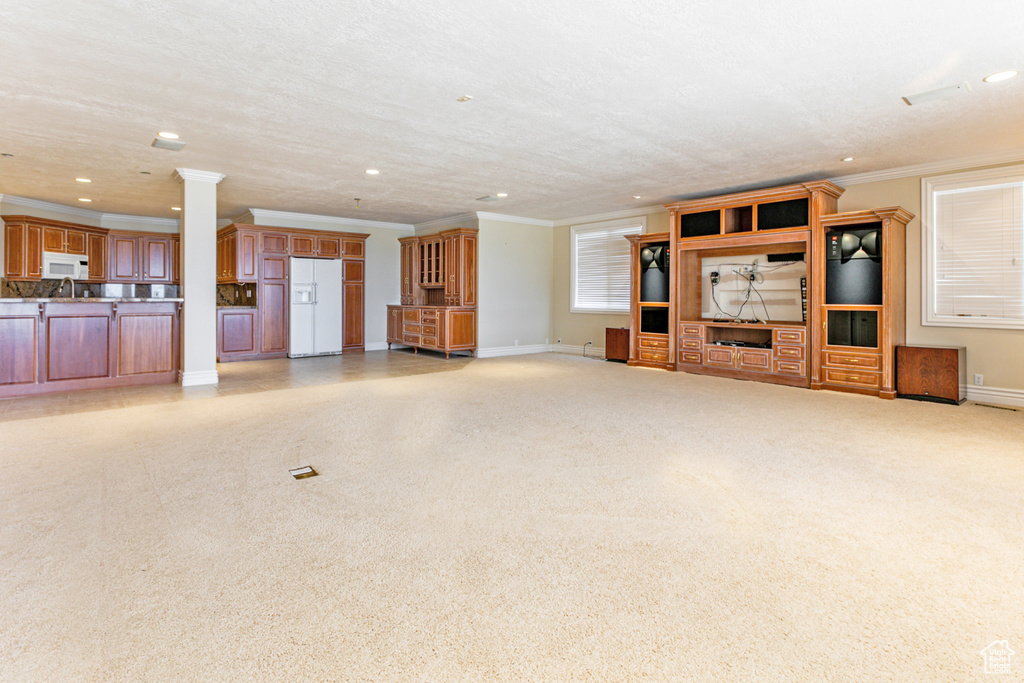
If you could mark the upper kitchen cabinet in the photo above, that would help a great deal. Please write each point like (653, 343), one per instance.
(140, 257)
(236, 255)
(27, 237)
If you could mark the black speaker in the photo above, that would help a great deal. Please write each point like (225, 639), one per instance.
(654, 269)
(853, 267)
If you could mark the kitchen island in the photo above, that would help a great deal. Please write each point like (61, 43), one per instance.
(54, 345)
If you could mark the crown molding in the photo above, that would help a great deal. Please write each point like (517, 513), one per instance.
(259, 215)
(145, 220)
(931, 167)
(484, 215)
(183, 174)
(440, 222)
(612, 215)
(51, 206)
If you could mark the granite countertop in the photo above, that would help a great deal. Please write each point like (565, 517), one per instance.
(86, 300)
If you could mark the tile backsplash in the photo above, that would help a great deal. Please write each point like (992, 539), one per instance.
(51, 289)
(236, 295)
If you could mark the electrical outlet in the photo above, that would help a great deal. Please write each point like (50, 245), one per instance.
(559, 341)
(979, 380)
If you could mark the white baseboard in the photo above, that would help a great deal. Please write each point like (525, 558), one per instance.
(198, 378)
(375, 346)
(595, 351)
(996, 396)
(495, 351)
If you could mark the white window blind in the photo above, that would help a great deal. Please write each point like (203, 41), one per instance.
(974, 274)
(600, 266)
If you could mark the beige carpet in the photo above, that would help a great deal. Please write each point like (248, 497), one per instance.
(543, 518)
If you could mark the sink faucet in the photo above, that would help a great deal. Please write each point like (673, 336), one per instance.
(71, 282)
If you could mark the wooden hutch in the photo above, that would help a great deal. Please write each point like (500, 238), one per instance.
(438, 304)
(839, 323)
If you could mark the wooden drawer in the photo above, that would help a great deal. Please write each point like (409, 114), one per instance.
(691, 357)
(718, 355)
(853, 378)
(411, 315)
(789, 352)
(411, 339)
(428, 314)
(691, 330)
(691, 345)
(410, 328)
(654, 355)
(428, 341)
(758, 360)
(869, 361)
(428, 330)
(788, 335)
(653, 342)
(789, 367)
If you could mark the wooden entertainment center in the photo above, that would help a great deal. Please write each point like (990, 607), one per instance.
(438, 305)
(839, 277)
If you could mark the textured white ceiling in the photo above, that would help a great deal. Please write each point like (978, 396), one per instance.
(577, 105)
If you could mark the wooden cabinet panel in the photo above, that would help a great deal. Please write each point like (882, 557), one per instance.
(53, 239)
(275, 267)
(145, 344)
(302, 245)
(789, 367)
(176, 260)
(236, 332)
(354, 248)
(352, 271)
(89, 335)
(854, 378)
(19, 342)
(328, 247)
(352, 328)
(870, 361)
(123, 256)
(757, 360)
(788, 336)
(76, 242)
(273, 306)
(97, 251)
(245, 270)
(33, 252)
(719, 355)
(273, 243)
(789, 352)
(14, 251)
(394, 325)
(468, 274)
(156, 259)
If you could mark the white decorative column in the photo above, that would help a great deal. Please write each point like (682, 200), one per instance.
(198, 276)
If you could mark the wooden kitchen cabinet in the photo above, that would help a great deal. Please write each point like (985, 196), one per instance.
(156, 259)
(124, 258)
(353, 284)
(237, 334)
(273, 305)
(237, 254)
(328, 247)
(27, 237)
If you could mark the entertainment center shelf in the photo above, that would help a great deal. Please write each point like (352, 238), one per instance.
(773, 285)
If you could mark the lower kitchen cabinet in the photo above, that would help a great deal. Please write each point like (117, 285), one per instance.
(237, 333)
(438, 328)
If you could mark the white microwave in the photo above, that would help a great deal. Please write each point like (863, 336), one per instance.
(57, 266)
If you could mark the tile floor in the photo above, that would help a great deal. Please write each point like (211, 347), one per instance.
(241, 378)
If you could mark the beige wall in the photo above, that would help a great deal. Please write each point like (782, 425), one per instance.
(514, 279)
(576, 329)
(997, 354)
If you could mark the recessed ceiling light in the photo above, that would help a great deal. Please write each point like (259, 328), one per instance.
(464, 98)
(83, 180)
(372, 171)
(83, 199)
(175, 208)
(636, 196)
(1001, 76)
(168, 136)
(502, 194)
(847, 158)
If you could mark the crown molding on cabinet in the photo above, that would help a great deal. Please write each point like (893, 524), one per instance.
(259, 215)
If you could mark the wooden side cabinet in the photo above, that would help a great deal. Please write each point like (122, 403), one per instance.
(616, 343)
(932, 373)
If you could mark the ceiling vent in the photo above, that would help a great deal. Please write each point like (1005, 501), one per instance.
(488, 198)
(173, 145)
(940, 94)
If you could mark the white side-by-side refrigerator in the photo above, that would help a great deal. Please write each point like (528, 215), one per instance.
(315, 313)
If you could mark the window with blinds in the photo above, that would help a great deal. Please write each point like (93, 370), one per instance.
(974, 249)
(600, 266)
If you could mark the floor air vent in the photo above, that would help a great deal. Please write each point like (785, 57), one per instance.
(989, 405)
(303, 472)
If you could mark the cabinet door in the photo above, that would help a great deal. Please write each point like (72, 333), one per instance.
(176, 260)
(394, 324)
(328, 247)
(76, 242)
(54, 239)
(273, 304)
(273, 243)
(452, 272)
(302, 245)
(467, 271)
(718, 355)
(352, 277)
(245, 267)
(156, 259)
(14, 252)
(230, 256)
(123, 255)
(97, 250)
(237, 333)
(408, 272)
(33, 252)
